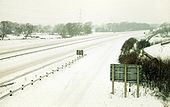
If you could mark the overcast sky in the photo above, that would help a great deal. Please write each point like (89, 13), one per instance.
(97, 11)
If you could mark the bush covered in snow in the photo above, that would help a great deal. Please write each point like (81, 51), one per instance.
(128, 58)
(155, 72)
(128, 46)
(142, 44)
(156, 75)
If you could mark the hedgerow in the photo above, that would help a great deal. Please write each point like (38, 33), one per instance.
(155, 73)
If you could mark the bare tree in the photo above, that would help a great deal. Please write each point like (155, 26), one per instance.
(4, 29)
(60, 29)
(27, 29)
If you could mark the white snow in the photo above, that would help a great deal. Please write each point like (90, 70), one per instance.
(158, 39)
(86, 83)
(159, 51)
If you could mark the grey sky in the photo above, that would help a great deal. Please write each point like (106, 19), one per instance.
(97, 11)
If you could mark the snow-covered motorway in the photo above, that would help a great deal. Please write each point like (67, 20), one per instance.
(24, 47)
(83, 84)
(26, 56)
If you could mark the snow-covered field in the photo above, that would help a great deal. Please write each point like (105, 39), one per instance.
(159, 39)
(86, 83)
(159, 51)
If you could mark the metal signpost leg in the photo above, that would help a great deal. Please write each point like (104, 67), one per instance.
(125, 88)
(112, 79)
(137, 81)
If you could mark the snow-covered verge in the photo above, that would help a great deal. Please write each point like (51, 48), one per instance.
(84, 84)
(37, 73)
(32, 37)
(156, 40)
(159, 51)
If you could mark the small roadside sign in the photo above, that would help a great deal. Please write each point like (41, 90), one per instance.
(79, 52)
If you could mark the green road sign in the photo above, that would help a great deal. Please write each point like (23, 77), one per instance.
(79, 52)
(119, 72)
(125, 73)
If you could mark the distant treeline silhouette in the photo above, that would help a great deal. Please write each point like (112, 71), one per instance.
(123, 26)
(65, 30)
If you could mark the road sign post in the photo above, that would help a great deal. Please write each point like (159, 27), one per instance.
(125, 79)
(137, 81)
(112, 68)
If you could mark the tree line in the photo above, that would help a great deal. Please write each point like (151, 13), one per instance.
(73, 29)
(8, 27)
(123, 26)
(163, 30)
(65, 30)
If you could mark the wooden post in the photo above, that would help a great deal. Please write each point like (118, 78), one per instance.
(125, 79)
(137, 81)
(112, 70)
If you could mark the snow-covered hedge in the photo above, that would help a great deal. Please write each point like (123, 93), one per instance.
(155, 72)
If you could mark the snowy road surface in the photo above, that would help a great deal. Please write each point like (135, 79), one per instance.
(19, 64)
(84, 84)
